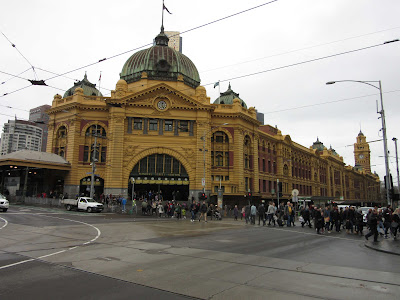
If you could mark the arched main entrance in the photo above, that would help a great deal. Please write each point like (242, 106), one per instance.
(85, 185)
(160, 174)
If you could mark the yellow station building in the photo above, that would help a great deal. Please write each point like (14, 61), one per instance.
(160, 128)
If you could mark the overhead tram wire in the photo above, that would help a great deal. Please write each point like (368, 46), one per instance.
(300, 49)
(15, 47)
(150, 44)
(306, 61)
(329, 102)
(14, 76)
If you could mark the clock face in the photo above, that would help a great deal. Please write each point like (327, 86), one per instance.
(162, 105)
(361, 156)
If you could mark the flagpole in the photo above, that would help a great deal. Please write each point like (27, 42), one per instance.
(219, 89)
(100, 82)
(162, 17)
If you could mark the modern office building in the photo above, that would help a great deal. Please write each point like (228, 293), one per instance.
(161, 129)
(175, 40)
(20, 135)
(41, 119)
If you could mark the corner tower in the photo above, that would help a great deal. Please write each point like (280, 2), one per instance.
(362, 153)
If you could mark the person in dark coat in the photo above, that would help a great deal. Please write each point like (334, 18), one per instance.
(387, 215)
(335, 218)
(247, 213)
(319, 220)
(261, 214)
(236, 212)
(305, 213)
(359, 222)
(373, 226)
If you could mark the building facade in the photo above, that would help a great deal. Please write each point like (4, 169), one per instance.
(160, 128)
(41, 118)
(175, 40)
(20, 135)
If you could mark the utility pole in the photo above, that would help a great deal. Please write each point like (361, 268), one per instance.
(397, 165)
(93, 164)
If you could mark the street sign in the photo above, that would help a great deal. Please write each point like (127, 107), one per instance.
(203, 182)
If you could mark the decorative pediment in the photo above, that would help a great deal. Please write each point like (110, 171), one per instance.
(151, 96)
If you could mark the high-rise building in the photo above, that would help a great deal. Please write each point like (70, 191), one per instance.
(362, 154)
(175, 40)
(41, 118)
(20, 135)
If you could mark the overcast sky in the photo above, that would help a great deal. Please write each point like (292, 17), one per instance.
(60, 36)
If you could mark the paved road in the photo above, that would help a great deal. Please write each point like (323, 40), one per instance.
(47, 254)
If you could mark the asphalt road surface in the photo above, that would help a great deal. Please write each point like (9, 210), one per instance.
(54, 254)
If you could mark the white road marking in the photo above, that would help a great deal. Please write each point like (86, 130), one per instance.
(58, 252)
(5, 223)
(17, 263)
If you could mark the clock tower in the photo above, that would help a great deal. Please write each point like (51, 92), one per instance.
(362, 154)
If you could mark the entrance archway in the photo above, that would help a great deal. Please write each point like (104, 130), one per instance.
(85, 184)
(162, 175)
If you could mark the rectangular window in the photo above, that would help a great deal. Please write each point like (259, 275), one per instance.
(167, 166)
(263, 166)
(168, 125)
(160, 159)
(137, 124)
(184, 126)
(152, 163)
(219, 159)
(226, 178)
(103, 154)
(212, 158)
(175, 167)
(153, 124)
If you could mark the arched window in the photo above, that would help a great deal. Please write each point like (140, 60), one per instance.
(285, 170)
(61, 141)
(159, 165)
(95, 148)
(247, 152)
(220, 149)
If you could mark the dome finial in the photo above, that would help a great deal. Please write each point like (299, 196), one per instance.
(229, 86)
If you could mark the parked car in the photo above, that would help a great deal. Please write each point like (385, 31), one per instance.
(82, 203)
(4, 204)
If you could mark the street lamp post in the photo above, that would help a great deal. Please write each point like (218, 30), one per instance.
(204, 154)
(397, 164)
(382, 113)
(93, 164)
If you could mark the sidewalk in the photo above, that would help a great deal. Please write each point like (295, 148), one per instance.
(389, 246)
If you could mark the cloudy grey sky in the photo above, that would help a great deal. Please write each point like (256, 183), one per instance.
(60, 36)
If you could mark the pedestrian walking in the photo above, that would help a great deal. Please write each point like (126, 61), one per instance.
(235, 212)
(271, 213)
(253, 212)
(203, 211)
(261, 214)
(373, 226)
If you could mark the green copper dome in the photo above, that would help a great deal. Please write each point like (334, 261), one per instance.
(228, 96)
(160, 62)
(89, 89)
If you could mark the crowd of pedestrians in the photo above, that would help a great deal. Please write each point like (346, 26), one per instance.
(383, 221)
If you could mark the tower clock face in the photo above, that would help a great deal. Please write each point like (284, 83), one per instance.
(162, 105)
(361, 156)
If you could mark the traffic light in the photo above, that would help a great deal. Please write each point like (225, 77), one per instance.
(249, 194)
(202, 196)
(391, 193)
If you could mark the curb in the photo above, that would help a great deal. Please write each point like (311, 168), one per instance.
(366, 244)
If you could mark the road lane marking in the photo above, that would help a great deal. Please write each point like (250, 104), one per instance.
(58, 252)
(18, 263)
(5, 223)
